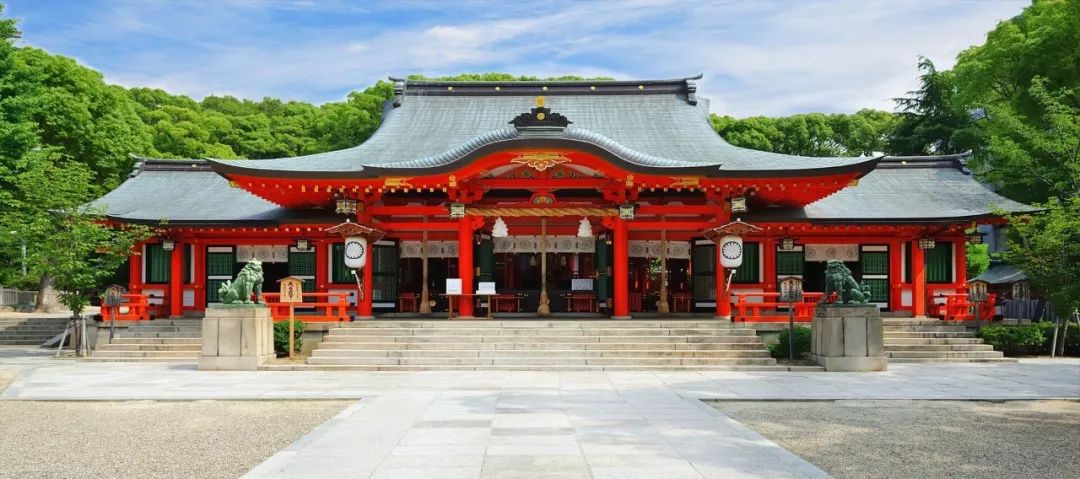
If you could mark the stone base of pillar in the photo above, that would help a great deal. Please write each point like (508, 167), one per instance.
(362, 318)
(236, 338)
(620, 317)
(848, 338)
(722, 318)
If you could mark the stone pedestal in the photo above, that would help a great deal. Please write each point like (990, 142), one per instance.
(848, 338)
(236, 338)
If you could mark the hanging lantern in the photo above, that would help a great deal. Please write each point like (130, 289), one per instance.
(626, 211)
(975, 237)
(738, 204)
(302, 245)
(927, 243)
(584, 229)
(168, 245)
(457, 210)
(787, 244)
(355, 252)
(345, 206)
(499, 229)
(731, 251)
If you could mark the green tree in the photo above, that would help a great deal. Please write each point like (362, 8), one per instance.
(1046, 247)
(930, 119)
(810, 134)
(70, 246)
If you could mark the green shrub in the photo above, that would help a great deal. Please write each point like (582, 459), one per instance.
(1015, 340)
(1072, 338)
(281, 337)
(802, 343)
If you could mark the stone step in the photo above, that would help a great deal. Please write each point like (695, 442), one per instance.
(512, 345)
(951, 360)
(154, 359)
(519, 353)
(944, 354)
(147, 354)
(163, 335)
(544, 332)
(164, 329)
(906, 341)
(123, 340)
(943, 329)
(27, 337)
(552, 324)
(353, 367)
(926, 334)
(541, 361)
(939, 347)
(151, 347)
(536, 339)
(22, 342)
(163, 322)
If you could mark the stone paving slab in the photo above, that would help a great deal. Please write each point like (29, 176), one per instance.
(519, 424)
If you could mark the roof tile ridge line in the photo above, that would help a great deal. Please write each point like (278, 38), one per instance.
(468, 146)
(877, 161)
(628, 154)
(656, 81)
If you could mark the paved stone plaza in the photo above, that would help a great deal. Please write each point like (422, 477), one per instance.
(536, 424)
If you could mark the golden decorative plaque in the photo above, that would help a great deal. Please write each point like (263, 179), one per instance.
(540, 161)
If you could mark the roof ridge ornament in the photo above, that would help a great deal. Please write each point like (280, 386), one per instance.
(540, 118)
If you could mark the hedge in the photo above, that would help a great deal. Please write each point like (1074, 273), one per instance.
(802, 343)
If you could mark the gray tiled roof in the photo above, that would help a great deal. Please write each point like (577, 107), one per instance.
(908, 189)
(1001, 274)
(660, 126)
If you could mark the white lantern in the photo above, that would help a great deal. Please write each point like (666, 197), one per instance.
(731, 251)
(356, 250)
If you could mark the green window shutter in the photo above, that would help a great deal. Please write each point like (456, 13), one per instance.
(703, 258)
(789, 262)
(907, 262)
(212, 286)
(874, 262)
(939, 263)
(220, 264)
(384, 272)
(157, 264)
(485, 259)
(301, 264)
(603, 261)
(340, 274)
(879, 290)
(749, 271)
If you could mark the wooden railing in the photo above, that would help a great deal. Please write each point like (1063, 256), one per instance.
(326, 309)
(765, 310)
(133, 307)
(957, 307)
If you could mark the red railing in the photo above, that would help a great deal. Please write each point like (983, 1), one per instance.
(765, 310)
(957, 307)
(326, 310)
(137, 309)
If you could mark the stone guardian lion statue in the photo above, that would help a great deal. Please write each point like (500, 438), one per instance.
(249, 281)
(838, 280)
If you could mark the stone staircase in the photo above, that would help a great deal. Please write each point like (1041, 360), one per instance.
(29, 331)
(160, 340)
(922, 340)
(540, 345)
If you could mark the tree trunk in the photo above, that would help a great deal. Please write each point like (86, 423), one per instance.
(47, 299)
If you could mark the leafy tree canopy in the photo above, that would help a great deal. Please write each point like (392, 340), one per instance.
(812, 134)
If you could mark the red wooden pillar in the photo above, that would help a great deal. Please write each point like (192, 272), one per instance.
(960, 256)
(896, 275)
(768, 250)
(465, 265)
(918, 280)
(176, 281)
(322, 265)
(135, 269)
(621, 244)
(723, 300)
(365, 307)
(199, 257)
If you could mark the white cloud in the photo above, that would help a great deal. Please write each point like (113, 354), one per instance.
(769, 58)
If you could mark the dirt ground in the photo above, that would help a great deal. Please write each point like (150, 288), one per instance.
(205, 439)
(925, 439)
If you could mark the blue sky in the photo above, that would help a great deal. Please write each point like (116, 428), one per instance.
(758, 57)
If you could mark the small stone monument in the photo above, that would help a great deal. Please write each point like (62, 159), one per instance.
(846, 334)
(238, 332)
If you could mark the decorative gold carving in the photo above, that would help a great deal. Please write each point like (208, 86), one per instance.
(686, 182)
(539, 102)
(629, 181)
(397, 182)
(540, 161)
(453, 181)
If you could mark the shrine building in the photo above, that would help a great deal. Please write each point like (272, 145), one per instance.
(592, 197)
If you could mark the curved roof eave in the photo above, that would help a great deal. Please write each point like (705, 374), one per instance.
(583, 140)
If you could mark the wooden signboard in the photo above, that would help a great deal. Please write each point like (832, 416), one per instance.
(292, 292)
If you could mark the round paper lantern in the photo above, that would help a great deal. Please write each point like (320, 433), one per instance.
(356, 252)
(731, 251)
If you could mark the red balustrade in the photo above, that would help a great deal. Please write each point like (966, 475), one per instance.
(764, 311)
(133, 307)
(326, 310)
(958, 307)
